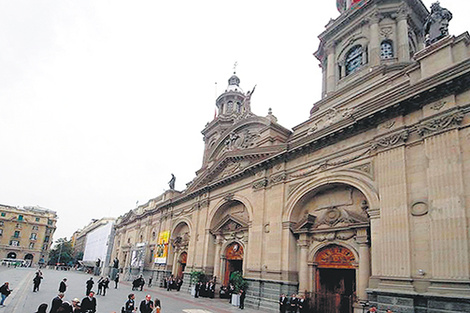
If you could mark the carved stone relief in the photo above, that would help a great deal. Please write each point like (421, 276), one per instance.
(391, 140)
(441, 123)
(419, 208)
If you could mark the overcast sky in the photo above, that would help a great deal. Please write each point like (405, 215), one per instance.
(100, 101)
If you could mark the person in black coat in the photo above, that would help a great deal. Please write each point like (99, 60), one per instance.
(242, 299)
(5, 291)
(37, 281)
(42, 308)
(89, 303)
(282, 303)
(157, 305)
(89, 285)
(146, 306)
(56, 303)
(129, 307)
(105, 283)
(302, 304)
(63, 285)
(293, 303)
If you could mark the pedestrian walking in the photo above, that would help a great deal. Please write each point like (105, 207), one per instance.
(42, 308)
(5, 292)
(63, 285)
(116, 281)
(157, 305)
(105, 285)
(89, 303)
(56, 303)
(146, 306)
(89, 285)
(100, 286)
(129, 307)
(37, 281)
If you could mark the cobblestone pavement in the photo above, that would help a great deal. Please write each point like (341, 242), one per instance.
(24, 300)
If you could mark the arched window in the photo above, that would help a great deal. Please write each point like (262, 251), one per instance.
(229, 107)
(386, 50)
(354, 59)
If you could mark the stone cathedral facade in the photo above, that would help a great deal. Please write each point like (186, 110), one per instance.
(367, 202)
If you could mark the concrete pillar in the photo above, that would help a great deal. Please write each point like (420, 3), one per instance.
(330, 69)
(303, 270)
(364, 264)
(402, 37)
(374, 40)
(218, 244)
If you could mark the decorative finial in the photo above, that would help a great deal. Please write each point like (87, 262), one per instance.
(235, 67)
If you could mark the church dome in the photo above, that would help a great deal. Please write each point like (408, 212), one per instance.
(234, 83)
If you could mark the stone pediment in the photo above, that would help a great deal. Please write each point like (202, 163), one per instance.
(232, 163)
(230, 224)
(306, 222)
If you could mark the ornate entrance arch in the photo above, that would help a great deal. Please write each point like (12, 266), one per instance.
(335, 279)
(233, 260)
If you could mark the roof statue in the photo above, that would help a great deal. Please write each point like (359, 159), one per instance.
(171, 183)
(437, 24)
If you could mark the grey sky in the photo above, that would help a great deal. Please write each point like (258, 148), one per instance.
(100, 101)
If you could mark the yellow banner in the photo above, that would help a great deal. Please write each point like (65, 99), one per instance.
(161, 252)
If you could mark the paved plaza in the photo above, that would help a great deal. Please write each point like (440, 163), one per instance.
(24, 300)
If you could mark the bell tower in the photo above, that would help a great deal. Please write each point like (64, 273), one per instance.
(367, 36)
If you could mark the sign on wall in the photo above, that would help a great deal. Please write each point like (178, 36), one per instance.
(138, 255)
(161, 251)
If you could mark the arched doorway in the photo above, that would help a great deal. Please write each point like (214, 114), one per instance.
(233, 261)
(29, 259)
(335, 279)
(11, 255)
(181, 265)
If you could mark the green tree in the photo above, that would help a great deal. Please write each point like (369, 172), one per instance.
(62, 252)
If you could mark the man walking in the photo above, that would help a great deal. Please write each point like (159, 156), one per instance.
(63, 285)
(37, 281)
(5, 292)
(89, 303)
(146, 306)
(56, 303)
(89, 285)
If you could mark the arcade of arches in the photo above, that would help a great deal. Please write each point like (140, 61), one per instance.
(367, 200)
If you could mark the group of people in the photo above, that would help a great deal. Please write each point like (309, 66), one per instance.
(58, 305)
(205, 290)
(293, 304)
(103, 284)
(137, 283)
(146, 305)
(173, 283)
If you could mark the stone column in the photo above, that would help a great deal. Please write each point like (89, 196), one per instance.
(330, 69)
(218, 244)
(174, 268)
(364, 264)
(303, 270)
(402, 37)
(374, 40)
